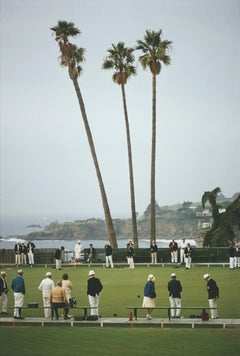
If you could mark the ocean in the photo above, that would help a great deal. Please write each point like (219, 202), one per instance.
(13, 229)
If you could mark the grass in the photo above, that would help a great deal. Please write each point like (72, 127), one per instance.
(122, 288)
(117, 341)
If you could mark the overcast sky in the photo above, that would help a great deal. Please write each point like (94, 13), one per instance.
(46, 165)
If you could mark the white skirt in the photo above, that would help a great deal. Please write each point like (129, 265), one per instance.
(148, 302)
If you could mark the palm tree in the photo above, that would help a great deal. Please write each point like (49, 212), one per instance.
(222, 230)
(154, 54)
(120, 58)
(72, 57)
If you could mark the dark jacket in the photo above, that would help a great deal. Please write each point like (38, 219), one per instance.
(149, 290)
(57, 254)
(94, 286)
(174, 288)
(18, 249)
(3, 286)
(108, 250)
(30, 245)
(212, 288)
(153, 248)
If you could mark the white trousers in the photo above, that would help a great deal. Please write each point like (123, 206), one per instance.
(18, 303)
(154, 257)
(94, 303)
(58, 264)
(47, 306)
(3, 302)
(188, 261)
(175, 302)
(17, 259)
(231, 262)
(182, 256)
(130, 262)
(174, 256)
(109, 261)
(213, 304)
(31, 258)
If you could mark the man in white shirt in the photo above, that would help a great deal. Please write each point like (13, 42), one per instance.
(46, 287)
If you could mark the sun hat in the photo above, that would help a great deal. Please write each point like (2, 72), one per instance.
(48, 274)
(151, 277)
(173, 274)
(206, 275)
(91, 273)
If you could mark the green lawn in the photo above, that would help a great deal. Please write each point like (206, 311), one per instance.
(26, 341)
(122, 288)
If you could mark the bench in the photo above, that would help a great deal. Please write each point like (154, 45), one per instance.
(34, 305)
(135, 310)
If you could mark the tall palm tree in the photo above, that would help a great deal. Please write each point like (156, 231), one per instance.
(154, 54)
(72, 57)
(120, 58)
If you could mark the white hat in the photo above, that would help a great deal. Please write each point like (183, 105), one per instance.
(20, 271)
(173, 274)
(3, 272)
(91, 273)
(79, 241)
(206, 275)
(48, 274)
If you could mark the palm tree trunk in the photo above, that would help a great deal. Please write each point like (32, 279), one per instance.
(133, 208)
(108, 218)
(153, 162)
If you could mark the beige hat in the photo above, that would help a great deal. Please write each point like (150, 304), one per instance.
(91, 273)
(151, 277)
(20, 271)
(48, 274)
(173, 274)
(3, 272)
(206, 275)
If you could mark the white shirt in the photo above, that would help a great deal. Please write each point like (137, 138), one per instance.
(46, 286)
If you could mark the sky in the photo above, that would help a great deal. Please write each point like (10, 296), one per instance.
(46, 164)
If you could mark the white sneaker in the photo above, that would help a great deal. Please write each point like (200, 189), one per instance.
(149, 317)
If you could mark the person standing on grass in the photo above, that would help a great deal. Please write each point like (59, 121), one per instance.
(153, 249)
(149, 296)
(108, 254)
(58, 260)
(213, 295)
(94, 287)
(174, 251)
(67, 286)
(182, 247)
(30, 249)
(3, 293)
(188, 256)
(77, 251)
(18, 251)
(18, 287)
(175, 289)
(130, 255)
(46, 287)
(232, 255)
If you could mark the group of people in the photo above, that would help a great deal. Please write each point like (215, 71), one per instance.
(234, 255)
(185, 252)
(184, 248)
(55, 297)
(24, 254)
(175, 288)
